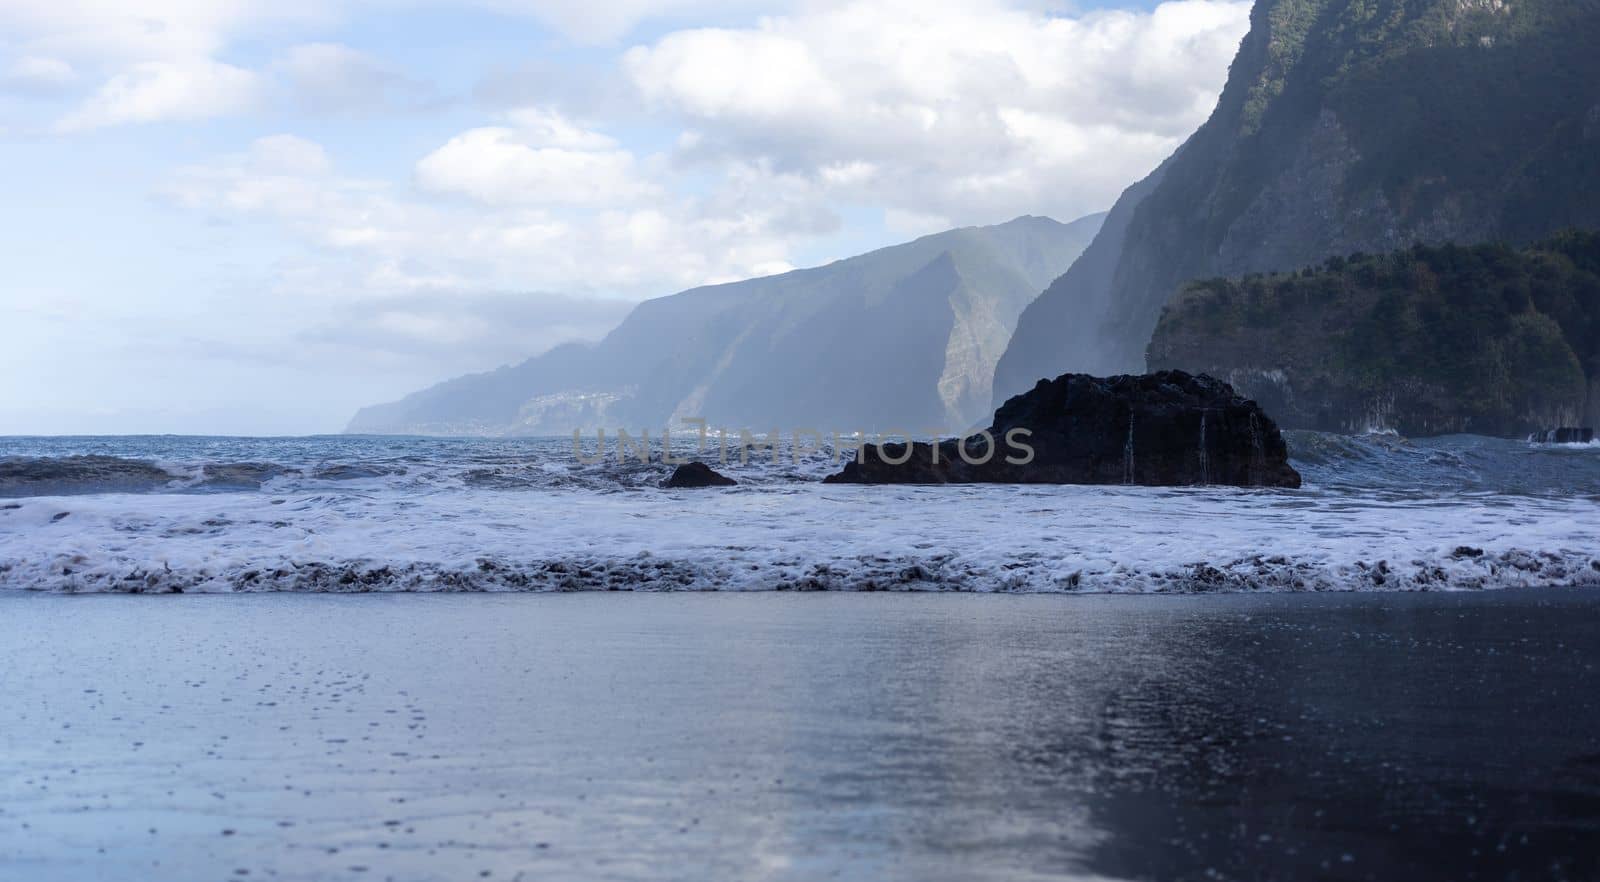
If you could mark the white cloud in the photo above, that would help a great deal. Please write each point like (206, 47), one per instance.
(160, 59)
(603, 21)
(546, 160)
(155, 60)
(372, 240)
(156, 91)
(289, 155)
(37, 75)
(546, 127)
(291, 181)
(759, 77)
(120, 32)
(330, 77)
(975, 110)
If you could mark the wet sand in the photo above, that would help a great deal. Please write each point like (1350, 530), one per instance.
(781, 736)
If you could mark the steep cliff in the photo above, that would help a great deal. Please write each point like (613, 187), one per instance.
(1345, 126)
(1425, 341)
(902, 338)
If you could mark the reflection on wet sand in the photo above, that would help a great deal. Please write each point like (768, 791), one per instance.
(802, 736)
(1433, 738)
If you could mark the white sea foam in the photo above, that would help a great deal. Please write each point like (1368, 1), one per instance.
(799, 537)
(339, 514)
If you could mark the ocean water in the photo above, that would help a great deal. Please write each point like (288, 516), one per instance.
(420, 676)
(879, 738)
(167, 514)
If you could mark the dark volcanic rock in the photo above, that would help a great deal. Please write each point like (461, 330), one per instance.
(698, 474)
(1162, 429)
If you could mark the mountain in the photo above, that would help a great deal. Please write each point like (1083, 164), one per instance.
(902, 338)
(1345, 126)
(1427, 341)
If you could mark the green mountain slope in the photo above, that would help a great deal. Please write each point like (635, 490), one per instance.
(1345, 126)
(1429, 340)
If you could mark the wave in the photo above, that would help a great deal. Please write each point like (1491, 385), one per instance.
(52, 467)
(1376, 513)
(95, 473)
(1567, 445)
(1444, 465)
(1467, 569)
(801, 537)
(182, 466)
(48, 476)
(1464, 569)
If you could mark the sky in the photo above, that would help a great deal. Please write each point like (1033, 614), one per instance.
(255, 216)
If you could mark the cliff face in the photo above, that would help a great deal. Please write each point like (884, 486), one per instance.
(1425, 341)
(1053, 327)
(1591, 410)
(1345, 126)
(903, 338)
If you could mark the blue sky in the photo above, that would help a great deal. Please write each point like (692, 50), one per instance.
(251, 217)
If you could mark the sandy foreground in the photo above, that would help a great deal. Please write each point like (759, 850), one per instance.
(799, 736)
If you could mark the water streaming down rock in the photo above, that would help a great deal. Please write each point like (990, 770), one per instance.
(1080, 430)
(1564, 435)
(1258, 454)
(1205, 463)
(1127, 455)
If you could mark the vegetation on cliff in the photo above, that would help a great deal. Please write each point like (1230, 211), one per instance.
(1345, 125)
(1426, 340)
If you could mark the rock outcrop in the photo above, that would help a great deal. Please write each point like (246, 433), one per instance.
(697, 474)
(1163, 429)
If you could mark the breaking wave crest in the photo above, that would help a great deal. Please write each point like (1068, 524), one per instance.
(1451, 464)
(47, 476)
(1378, 513)
(1470, 570)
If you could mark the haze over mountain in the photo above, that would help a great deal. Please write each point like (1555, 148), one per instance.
(901, 338)
(1345, 126)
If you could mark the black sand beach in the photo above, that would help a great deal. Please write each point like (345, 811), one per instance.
(1414, 736)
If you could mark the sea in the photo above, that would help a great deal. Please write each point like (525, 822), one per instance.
(165, 514)
(421, 659)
